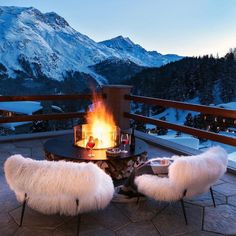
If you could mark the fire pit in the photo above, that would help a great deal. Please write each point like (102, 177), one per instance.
(103, 138)
(118, 167)
(104, 133)
(100, 128)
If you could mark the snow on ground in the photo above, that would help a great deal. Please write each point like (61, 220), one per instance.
(229, 106)
(25, 107)
(186, 140)
(178, 117)
(232, 156)
(12, 126)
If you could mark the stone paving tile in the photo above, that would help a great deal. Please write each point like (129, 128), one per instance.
(232, 200)
(201, 233)
(95, 232)
(37, 153)
(111, 217)
(138, 229)
(3, 184)
(88, 227)
(4, 218)
(28, 143)
(219, 181)
(170, 221)
(156, 205)
(206, 200)
(3, 156)
(230, 178)
(23, 231)
(227, 189)
(138, 212)
(7, 147)
(118, 219)
(9, 228)
(8, 201)
(26, 152)
(33, 219)
(221, 219)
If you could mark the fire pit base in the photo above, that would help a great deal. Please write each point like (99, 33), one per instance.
(117, 167)
(121, 169)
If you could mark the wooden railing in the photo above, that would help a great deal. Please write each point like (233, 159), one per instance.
(146, 100)
(183, 106)
(52, 116)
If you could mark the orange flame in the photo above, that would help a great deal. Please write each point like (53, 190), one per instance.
(102, 124)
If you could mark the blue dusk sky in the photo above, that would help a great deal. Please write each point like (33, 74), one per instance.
(184, 27)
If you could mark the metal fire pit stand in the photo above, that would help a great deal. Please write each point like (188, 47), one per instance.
(118, 167)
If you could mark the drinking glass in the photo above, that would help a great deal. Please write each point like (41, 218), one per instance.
(124, 140)
(90, 144)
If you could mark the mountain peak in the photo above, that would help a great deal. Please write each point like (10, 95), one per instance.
(136, 53)
(50, 18)
(54, 18)
(36, 43)
(118, 42)
(122, 39)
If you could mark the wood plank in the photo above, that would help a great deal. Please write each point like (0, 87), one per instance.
(56, 116)
(184, 106)
(46, 97)
(185, 129)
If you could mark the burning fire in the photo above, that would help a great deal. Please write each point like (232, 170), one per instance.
(101, 125)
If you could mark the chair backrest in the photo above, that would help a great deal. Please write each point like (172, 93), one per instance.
(197, 173)
(54, 187)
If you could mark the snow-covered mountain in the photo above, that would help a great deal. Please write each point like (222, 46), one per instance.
(138, 54)
(44, 44)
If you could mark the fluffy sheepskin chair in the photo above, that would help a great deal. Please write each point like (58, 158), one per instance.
(187, 176)
(58, 187)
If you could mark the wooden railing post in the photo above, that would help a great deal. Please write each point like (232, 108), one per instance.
(116, 103)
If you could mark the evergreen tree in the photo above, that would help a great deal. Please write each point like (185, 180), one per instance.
(228, 81)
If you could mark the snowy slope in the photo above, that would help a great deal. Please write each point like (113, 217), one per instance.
(177, 116)
(138, 54)
(47, 40)
(52, 46)
(228, 106)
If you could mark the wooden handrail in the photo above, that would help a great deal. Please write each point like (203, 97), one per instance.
(56, 116)
(184, 106)
(45, 97)
(51, 116)
(185, 129)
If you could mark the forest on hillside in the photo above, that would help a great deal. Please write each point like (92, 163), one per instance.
(211, 79)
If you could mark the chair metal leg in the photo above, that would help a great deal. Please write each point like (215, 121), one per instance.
(212, 197)
(23, 211)
(78, 217)
(78, 225)
(184, 212)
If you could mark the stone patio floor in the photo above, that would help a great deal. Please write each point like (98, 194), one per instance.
(146, 218)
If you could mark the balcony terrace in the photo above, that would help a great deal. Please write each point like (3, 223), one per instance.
(146, 218)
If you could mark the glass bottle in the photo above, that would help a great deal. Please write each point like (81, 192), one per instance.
(132, 140)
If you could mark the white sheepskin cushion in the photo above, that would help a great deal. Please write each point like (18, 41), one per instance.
(53, 187)
(192, 173)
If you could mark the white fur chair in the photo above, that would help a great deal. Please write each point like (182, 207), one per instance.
(188, 176)
(58, 187)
